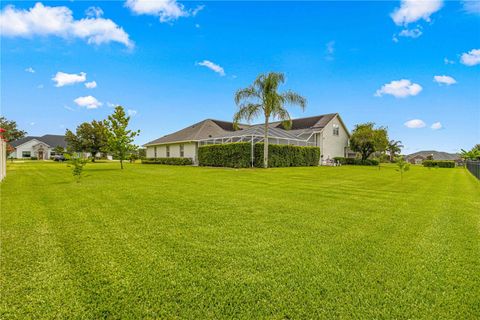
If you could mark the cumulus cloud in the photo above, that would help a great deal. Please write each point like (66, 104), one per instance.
(95, 12)
(411, 33)
(414, 10)
(444, 80)
(91, 84)
(58, 21)
(88, 102)
(212, 66)
(65, 79)
(471, 58)
(415, 124)
(399, 89)
(447, 61)
(165, 10)
(30, 70)
(436, 126)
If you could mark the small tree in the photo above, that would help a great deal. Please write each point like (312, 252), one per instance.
(403, 166)
(59, 150)
(77, 163)
(11, 132)
(394, 148)
(119, 137)
(366, 139)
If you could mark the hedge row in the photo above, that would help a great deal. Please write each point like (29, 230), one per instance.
(439, 163)
(170, 161)
(356, 162)
(238, 155)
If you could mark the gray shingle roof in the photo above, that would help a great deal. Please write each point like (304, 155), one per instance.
(210, 128)
(51, 139)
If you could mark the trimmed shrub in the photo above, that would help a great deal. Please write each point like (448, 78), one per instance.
(356, 162)
(439, 163)
(169, 161)
(238, 155)
(33, 158)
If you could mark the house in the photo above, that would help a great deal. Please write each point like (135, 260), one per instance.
(39, 147)
(418, 157)
(328, 132)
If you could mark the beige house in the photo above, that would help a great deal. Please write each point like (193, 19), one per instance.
(328, 132)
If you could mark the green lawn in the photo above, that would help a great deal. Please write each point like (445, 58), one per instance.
(290, 243)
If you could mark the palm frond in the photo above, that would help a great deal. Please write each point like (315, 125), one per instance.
(293, 98)
(247, 93)
(247, 112)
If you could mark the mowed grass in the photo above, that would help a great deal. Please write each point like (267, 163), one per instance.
(200, 243)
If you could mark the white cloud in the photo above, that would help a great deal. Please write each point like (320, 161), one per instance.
(444, 80)
(166, 10)
(212, 66)
(330, 50)
(65, 79)
(411, 33)
(131, 112)
(436, 126)
(112, 105)
(43, 20)
(472, 6)
(69, 108)
(415, 124)
(414, 10)
(30, 70)
(91, 84)
(399, 89)
(471, 58)
(446, 61)
(94, 12)
(88, 102)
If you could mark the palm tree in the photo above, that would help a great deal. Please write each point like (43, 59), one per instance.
(393, 148)
(263, 98)
(473, 154)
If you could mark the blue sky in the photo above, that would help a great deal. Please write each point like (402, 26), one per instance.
(175, 63)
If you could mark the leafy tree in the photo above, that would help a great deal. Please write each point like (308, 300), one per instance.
(119, 137)
(394, 148)
(89, 137)
(366, 139)
(59, 150)
(263, 99)
(403, 166)
(11, 133)
(429, 157)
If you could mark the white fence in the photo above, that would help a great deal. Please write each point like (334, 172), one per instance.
(3, 159)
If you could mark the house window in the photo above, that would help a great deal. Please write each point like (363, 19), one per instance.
(182, 153)
(52, 153)
(336, 130)
(168, 151)
(155, 152)
(26, 154)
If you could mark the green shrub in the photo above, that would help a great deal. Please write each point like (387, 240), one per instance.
(33, 158)
(439, 163)
(239, 155)
(356, 162)
(169, 161)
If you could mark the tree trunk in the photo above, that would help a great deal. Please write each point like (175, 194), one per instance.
(121, 163)
(265, 145)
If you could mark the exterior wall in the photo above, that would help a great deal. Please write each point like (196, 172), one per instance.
(332, 145)
(28, 146)
(3, 159)
(189, 150)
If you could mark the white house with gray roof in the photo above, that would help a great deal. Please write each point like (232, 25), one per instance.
(328, 132)
(39, 147)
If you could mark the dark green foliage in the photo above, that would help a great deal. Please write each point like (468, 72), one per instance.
(356, 162)
(234, 155)
(366, 139)
(11, 133)
(238, 155)
(439, 163)
(33, 158)
(170, 161)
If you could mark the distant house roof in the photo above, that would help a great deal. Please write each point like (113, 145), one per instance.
(437, 155)
(50, 139)
(210, 128)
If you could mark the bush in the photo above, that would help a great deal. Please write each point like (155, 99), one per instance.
(33, 158)
(239, 155)
(169, 161)
(439, 163)
(356, 162)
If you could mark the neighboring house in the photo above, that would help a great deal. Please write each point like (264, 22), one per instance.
(39, 147)
(328, 132)
(418, 157)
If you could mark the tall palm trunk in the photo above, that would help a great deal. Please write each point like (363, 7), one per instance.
(265, 144)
